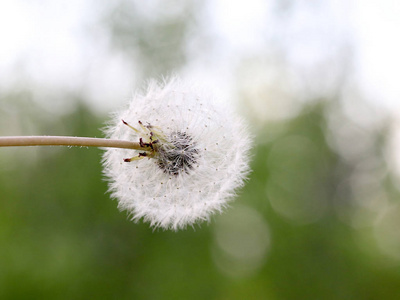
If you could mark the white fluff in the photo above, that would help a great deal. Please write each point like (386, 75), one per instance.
(208, 168)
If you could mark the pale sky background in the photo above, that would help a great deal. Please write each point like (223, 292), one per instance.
(43, 41)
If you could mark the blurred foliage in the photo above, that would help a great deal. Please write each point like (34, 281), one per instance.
(153, 34)
(62, 237)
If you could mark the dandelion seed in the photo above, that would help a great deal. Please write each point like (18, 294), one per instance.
(169, 184)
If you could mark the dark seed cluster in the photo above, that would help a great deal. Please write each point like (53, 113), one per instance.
(179, 155)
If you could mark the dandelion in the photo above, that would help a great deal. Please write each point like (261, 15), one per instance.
(172, 158)
(198, 157)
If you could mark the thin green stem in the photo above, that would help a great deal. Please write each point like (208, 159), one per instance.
(10, 141)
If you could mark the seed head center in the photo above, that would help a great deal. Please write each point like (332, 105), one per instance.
(177, 155)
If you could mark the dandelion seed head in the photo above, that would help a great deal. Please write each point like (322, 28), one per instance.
(200, 157)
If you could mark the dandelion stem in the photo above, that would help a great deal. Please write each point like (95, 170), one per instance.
(10, 141)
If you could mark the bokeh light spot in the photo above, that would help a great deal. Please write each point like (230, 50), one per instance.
(242, 240)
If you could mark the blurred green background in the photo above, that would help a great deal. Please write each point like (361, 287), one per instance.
(318, 219)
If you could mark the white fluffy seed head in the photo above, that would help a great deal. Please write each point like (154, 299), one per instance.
(201, 156)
